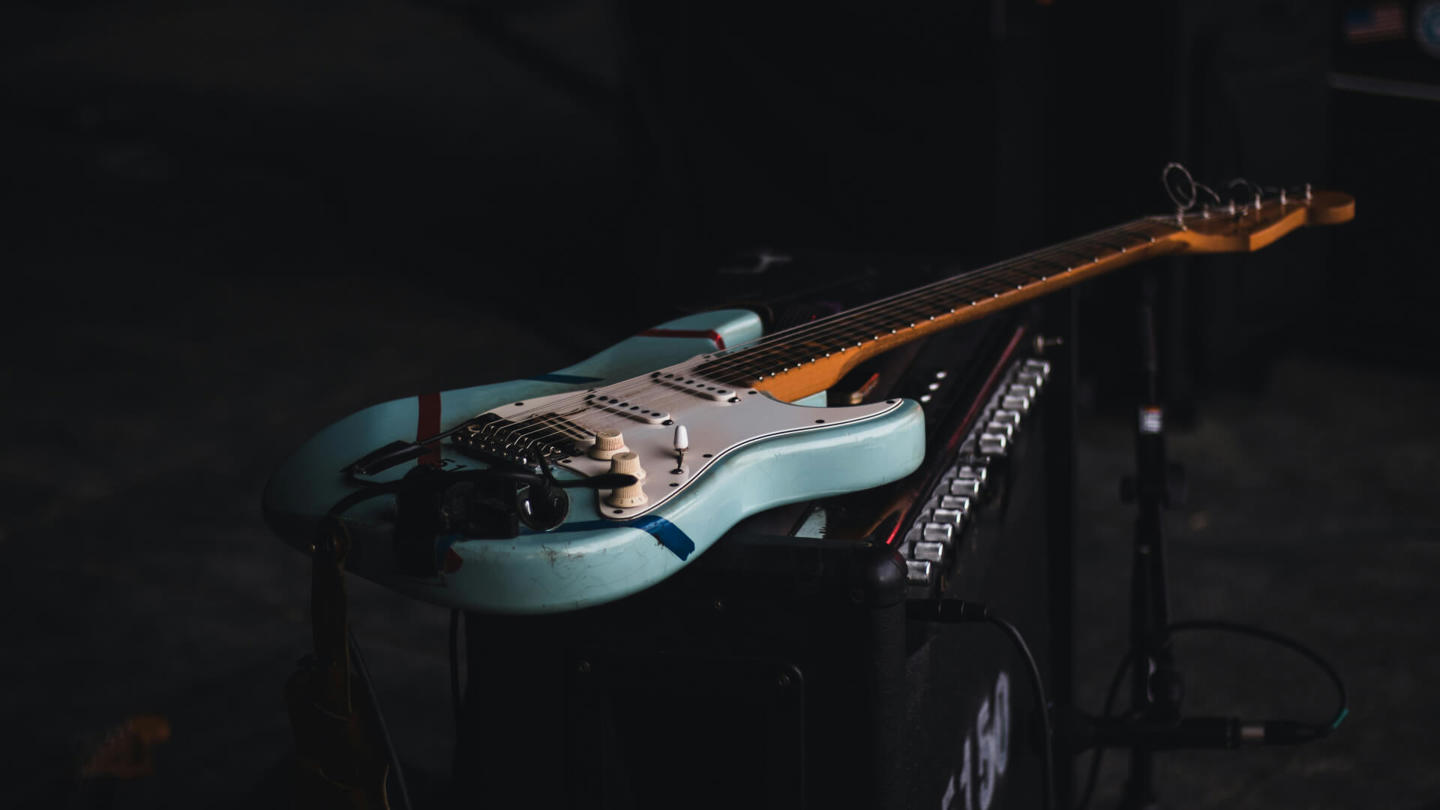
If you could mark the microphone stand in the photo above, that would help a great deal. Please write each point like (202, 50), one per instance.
(1156, 686)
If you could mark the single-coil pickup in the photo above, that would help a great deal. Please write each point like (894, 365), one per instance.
(695, 387)
(626, 408)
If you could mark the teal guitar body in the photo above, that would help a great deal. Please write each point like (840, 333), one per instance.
(745, 452)
(682, 424)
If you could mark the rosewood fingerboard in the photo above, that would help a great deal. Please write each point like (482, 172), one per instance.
(813, 357)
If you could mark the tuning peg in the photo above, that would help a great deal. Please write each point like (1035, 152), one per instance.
(1249, 187)
(1205, 206)
(1180, 186)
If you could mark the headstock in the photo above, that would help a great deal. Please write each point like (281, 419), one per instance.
(1248, 217)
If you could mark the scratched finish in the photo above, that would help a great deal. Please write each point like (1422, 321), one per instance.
(589, 560)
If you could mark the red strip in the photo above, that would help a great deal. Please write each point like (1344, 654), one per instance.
(985, 391)
(953, 443)
(428, 425)
(687, 333)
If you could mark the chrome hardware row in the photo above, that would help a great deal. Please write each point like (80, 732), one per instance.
(929, 546)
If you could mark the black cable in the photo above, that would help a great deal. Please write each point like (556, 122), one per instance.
(395, 767)
(1105, 714)
(1341, 711)
(1038, 684)
(362, 671)
(1343, 707)
(954, 611)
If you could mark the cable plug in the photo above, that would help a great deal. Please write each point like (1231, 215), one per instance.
(1281, 732)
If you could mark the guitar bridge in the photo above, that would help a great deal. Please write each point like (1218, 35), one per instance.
(524, 442)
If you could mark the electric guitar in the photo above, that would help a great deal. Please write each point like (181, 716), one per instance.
(669, 438)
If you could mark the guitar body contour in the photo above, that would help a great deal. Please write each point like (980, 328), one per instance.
(757, 438)
(766, 453)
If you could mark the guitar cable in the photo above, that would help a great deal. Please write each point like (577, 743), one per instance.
(390, 753)
(1275, 732)
(955, 611)
(362, 672)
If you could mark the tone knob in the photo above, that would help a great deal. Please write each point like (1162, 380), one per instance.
(607, 444)
(627, 463)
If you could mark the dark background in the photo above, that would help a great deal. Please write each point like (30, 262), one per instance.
(230, 224)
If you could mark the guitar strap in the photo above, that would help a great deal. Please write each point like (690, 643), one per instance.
(341, 761)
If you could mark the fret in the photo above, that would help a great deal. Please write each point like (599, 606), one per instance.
(941, 300)
(1013, 278)
(970, 293)
(1085, 258)
(1114, 247)
(1140, 237)
(1056, 268)
(1033, 268)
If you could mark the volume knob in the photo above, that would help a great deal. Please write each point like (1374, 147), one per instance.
(607, 444)
(627, 463)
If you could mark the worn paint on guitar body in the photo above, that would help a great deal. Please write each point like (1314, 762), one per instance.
(764, 452)
(807, 451)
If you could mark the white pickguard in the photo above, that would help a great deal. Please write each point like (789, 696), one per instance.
(716, 426)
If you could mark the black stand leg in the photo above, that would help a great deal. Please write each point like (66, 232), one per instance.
(1156, 686)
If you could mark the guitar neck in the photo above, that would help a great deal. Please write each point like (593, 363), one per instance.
(806, 359)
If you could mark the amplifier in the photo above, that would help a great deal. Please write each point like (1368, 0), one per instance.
(779, 669)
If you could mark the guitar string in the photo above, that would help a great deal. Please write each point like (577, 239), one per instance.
(913, 304)
(920, 307)
(850, 319)
(527, 424)
(537, 421)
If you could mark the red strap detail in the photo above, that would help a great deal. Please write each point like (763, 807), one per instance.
(452, 561)
(428, 425)
(711, 334)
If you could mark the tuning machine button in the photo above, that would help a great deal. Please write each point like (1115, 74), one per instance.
(607, 444)
(627, 463)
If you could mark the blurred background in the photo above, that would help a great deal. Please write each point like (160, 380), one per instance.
(230, 224)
